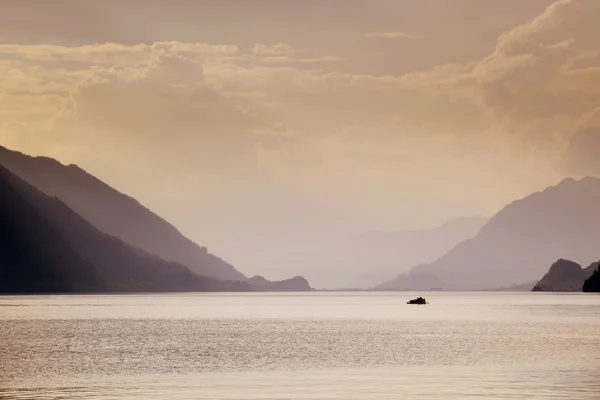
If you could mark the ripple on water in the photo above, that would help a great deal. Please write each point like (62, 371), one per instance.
(421, 356)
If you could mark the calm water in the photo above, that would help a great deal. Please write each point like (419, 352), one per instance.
(301, 346)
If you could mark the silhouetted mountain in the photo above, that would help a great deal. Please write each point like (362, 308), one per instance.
(521, 240)
(565, 276)
(115, 213)
(296, 284)
(593, 283)
(47, 247)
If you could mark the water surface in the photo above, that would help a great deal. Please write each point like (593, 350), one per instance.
(301, 346)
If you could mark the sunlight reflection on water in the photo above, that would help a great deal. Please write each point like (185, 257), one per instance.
(300, 346)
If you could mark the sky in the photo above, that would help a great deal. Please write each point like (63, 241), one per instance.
(268, 128)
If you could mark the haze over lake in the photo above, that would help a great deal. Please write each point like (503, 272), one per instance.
(301, 346)
(235, 200)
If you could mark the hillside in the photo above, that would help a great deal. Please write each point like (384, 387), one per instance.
(48, 248)
(115, 213)
(521, 240)
(414, 280)
(565, 276)
(593, 283)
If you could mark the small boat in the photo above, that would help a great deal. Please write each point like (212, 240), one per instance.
(418, 300)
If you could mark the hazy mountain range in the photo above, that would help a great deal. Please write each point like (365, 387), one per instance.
(47, 247)
(375, 256)
(519, 242)
(294, 284)
(115, 213)
(347, 260)
(60, 217)
(63, 230)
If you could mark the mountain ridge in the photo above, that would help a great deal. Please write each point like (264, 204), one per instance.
(519, 241)
(115, 213)
(295, 284)
(378, 254)
(47, 247)
(592, 284)
(565, 276)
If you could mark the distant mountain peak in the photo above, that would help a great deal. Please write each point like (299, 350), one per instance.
(592, 180)
(572, 182)
(565, 181)
(564, 276)
(527, 235)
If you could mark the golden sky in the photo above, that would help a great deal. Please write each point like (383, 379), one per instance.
(256, 122)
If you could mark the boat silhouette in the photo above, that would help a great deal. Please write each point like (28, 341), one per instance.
(418, 300)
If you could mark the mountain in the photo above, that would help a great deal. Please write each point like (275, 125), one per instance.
(593, 283)
(296, 284)
(521, 240)
(377, 255)
(413, 280)
(565, 276)
(116, 214)
(369, 258)
(48, 248)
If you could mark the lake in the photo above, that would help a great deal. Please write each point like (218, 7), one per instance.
(301, 346)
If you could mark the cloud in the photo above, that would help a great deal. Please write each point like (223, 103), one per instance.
(282, 53)
(529, 85)
(114, 53)
(164, 109)
(391, 35)
(293, 60)
(277, 49)
(525, 99)
(222, 116)
(520, 35)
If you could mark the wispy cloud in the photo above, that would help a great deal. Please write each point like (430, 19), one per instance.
(516, 103)
(291, 60)
(392, 35)
(277, 49)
